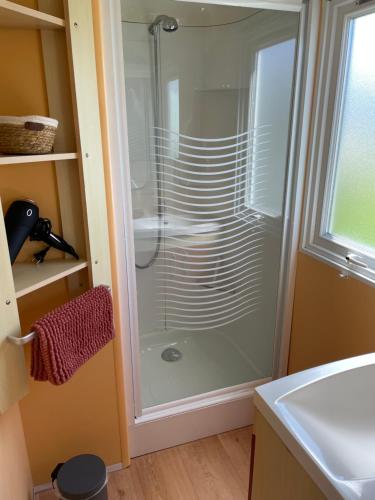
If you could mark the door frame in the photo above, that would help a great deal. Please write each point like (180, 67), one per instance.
(230, 408)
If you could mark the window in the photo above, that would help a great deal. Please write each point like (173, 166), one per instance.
(173, 118)
(269, 117)
(340, 212)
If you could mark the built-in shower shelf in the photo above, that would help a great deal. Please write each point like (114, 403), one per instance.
(222, 89)
(176, 232)
(144, 245)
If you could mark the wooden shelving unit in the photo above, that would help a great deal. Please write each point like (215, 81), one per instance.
(17, 16)
(29, 277)
(16, 160)
(69, 68)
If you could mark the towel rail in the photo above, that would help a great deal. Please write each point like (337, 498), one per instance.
(20, 341)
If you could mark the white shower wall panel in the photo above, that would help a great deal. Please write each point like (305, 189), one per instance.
(140, 110)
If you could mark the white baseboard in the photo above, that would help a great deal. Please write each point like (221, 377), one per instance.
(193, 418)
(153, 435)
(115, 467)
(40, 488)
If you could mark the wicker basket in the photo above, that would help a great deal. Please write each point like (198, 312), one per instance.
(27, 135)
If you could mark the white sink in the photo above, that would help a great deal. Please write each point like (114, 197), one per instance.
(326, 416)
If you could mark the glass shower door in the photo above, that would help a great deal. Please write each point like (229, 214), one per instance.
(208, 112)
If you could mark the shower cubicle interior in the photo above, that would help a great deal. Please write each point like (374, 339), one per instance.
(209, 94)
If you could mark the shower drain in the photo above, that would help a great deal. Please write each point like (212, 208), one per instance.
(171, 354)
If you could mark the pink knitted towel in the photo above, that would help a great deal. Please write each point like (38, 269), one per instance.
(71, 334)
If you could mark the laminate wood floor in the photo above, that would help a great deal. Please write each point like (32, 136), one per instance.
(214, 468)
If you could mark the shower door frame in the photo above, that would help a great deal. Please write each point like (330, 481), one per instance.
(206, 414)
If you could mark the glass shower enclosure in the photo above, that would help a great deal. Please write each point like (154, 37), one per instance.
(209, 95)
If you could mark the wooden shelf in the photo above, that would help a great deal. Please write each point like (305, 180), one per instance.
(14, 160)
(29, 277)
(13, 15)
(67, 80)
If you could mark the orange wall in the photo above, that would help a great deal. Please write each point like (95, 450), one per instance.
(82, 415)
(333, 318)
(15, 477)
(22, 92)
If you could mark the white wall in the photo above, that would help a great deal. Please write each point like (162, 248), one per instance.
(15, 475)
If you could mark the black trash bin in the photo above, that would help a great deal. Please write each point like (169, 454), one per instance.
(82, 477)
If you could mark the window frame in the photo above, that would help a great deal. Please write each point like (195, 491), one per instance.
(316, 240)
(284, 36)
(242, 210)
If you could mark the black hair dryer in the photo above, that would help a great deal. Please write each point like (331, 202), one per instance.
(22, 220)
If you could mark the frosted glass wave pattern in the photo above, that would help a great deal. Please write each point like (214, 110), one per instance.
(209, 272)
(353, 207)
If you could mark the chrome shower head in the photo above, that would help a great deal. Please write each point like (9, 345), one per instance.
(169, 24)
